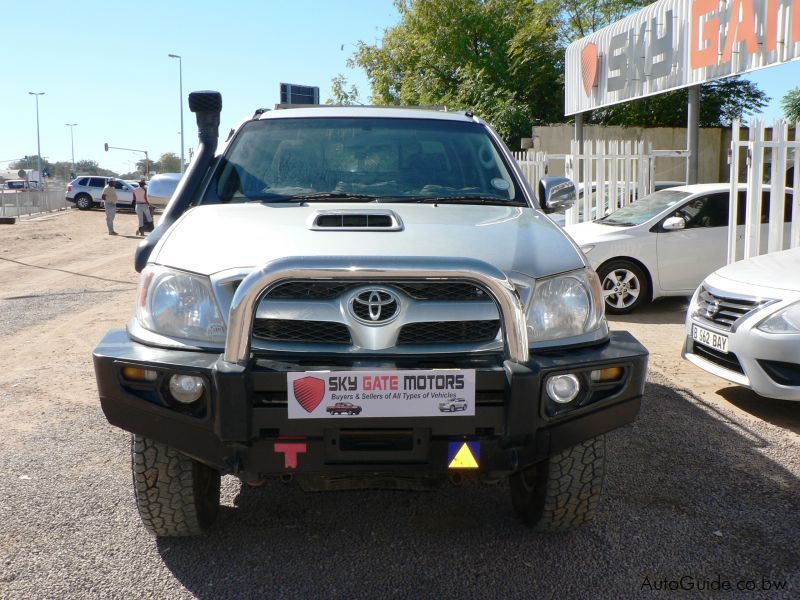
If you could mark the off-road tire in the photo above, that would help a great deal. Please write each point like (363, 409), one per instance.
(176, 495)
(84, 202)
(563, 492)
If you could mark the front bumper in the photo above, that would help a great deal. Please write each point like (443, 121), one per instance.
(766, 363)
(241, 423)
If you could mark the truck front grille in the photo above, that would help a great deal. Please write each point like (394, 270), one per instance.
(286, 330)
(724, 311)
(449, 332)
(415, 313)
(418, 290)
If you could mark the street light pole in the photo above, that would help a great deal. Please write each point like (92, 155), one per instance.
(72, 143)
(180, 95)
(38, 145)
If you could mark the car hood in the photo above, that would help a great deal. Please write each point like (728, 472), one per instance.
(595, 232)
(778, 270)
(213, 238)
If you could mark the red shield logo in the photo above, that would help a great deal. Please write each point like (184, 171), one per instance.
(309, 392)
(589, 67)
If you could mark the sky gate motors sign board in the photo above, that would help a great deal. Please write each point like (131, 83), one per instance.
(676, 43)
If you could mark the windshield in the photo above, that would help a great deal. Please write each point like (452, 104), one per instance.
(645, 208)
(366, 159)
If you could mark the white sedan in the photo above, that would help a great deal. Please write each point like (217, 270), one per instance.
(666, 243)
(743, 324)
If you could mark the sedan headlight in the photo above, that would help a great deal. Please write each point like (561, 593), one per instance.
(783, 321)
(178, 304)
(565, 306)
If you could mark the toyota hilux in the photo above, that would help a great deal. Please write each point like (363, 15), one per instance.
(387, 258)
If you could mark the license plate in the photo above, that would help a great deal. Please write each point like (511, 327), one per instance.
(364, 394)
(713, 340)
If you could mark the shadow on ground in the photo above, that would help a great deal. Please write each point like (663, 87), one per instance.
(783, 413)
(687, 494)
(662, 311)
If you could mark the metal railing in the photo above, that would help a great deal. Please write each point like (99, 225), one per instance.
(19, 203)
(776, 160)
(607, 174)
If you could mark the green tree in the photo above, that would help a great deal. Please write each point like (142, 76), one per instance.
(91, 167)
(721, 102)
(496, 57)
(31, 162)
(791, 105)
(340, 94)
(504, 60)
(169, 163)
(579, 18)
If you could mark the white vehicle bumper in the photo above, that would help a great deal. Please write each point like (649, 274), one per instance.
(769, 364)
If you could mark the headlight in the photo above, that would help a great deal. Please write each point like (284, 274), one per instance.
(178, 304)
(783, 321)
(565, 306)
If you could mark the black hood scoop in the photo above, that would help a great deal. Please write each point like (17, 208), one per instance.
(356, 220)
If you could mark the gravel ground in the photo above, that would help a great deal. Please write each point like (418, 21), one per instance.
(693, 490)
(688, 493)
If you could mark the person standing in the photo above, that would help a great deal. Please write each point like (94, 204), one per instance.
(142, 207)
(110, 202)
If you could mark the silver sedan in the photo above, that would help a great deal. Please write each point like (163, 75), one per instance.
(743, 324)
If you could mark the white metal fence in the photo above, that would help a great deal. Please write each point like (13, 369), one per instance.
(18, 203)
(776, 226)
(607, 174)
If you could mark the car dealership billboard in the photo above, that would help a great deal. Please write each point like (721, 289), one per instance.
(677, 43)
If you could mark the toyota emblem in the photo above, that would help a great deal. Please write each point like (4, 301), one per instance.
(374, 306)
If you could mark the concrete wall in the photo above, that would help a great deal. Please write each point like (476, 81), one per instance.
(714, 144)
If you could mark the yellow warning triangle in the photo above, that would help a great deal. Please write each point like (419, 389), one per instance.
(463, 459)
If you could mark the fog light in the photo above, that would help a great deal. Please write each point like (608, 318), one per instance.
(186, 388)
(137, 374)
(607, 375)
(563, 388)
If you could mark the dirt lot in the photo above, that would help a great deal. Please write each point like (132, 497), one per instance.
(706, 483)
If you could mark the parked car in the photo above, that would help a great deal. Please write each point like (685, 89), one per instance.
(665, 243)
(161, 187)
(560, 218)
(86, 192)
(20, 184)
(453, 405)
(743, 324)
(344, 245)
(344, 408)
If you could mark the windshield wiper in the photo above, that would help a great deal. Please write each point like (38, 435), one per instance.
(492, 200)
(607, 221)
(323, 196)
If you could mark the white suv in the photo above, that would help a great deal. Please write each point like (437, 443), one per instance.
(86, 192)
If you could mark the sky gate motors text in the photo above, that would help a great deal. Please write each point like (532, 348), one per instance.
(370, 383)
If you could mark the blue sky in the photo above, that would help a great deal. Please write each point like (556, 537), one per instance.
(104, 65)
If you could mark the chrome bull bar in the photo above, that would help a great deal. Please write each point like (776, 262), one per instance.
(257, 284)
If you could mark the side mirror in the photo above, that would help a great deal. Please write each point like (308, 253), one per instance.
(673, 224)
(556, 194)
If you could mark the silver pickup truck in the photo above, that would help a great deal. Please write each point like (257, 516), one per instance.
(385, 258)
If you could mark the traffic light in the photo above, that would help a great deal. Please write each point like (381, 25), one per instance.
(106, 145)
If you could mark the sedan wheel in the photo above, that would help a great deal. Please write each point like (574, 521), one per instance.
(624, 287)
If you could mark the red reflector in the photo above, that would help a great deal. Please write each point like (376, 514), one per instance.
(290, 448)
